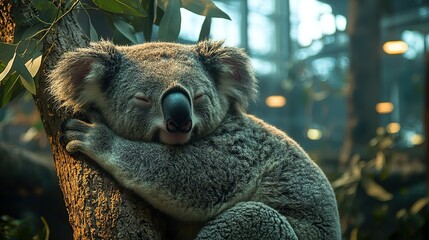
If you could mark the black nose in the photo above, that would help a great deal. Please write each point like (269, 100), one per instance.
(176, 107)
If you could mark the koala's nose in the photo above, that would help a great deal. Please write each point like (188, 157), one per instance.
(176, 108)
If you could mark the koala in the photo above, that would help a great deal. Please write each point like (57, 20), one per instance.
(168, 121)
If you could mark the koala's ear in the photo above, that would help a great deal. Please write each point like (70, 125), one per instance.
(231, 69)
(80, 76)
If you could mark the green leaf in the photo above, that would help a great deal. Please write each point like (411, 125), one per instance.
(125, 29)
(26, 50)
(143, 25)
(45, 231)
(33, 31)
(7, 51)
(205, 29)
(146, 24)
(169, 28)
(8, 67)
(132, 7)
(419, 205)
(92, 32)
(33, 65)
(25, 76)
(158, 16)
(9, 89)
(47, 10)
(373, 189)
(205, 8)
(119, 39)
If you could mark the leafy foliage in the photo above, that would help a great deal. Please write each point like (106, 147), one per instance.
(20, 61)
(370, 205)
(11, 228)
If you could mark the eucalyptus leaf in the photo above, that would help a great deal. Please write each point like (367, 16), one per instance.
(146, 24)
(132, 7)
(419, 205)
(25, 76)
(47, 10)
(45, 231)
(205, 29)
(8, 67)
(33, 31)
(33, 65)
(159, 14)
(7, 51)
(10, 89)
(125, 29)
(205, 8)
(28, 49)
(373, 189)
(92, 33)
(119, 39)
(169, 27)
(16, 64)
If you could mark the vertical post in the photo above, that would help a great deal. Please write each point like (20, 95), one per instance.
(282, 13)
(364, 77)
(244, 9)
(426, 116)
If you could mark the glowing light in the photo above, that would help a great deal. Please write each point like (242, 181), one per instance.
(275, 101)
(395, 47)
(314, 134)
(393, 127)
(384, 107)
(417, 139)
(341, 22)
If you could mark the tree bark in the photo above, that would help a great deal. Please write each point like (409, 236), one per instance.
(7, 25)
(98, 207)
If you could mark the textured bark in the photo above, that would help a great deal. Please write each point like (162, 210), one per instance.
(7, 25)
(98, 207)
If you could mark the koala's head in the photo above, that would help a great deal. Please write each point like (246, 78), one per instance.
(164, 92)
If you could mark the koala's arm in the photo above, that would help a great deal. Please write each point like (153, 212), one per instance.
(192, 183)
(220, 178)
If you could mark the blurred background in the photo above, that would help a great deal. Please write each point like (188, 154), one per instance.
(346, 79)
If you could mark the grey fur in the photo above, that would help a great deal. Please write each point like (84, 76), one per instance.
(236, 178)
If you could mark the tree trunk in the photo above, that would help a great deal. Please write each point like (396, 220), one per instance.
(364, 78)
(7, 25)
(98, 207)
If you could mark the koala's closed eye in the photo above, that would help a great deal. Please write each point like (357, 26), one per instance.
(142, 100)
(198, 96)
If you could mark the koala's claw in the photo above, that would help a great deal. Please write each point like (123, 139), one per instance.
(74, 134)
(84, 137)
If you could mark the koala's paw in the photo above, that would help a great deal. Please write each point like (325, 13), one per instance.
(88, 138)
(248, 221)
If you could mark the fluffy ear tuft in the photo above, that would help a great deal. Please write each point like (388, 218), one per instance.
(80, 76)
(231, 69)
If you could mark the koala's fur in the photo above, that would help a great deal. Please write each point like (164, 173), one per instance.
(231, 177)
